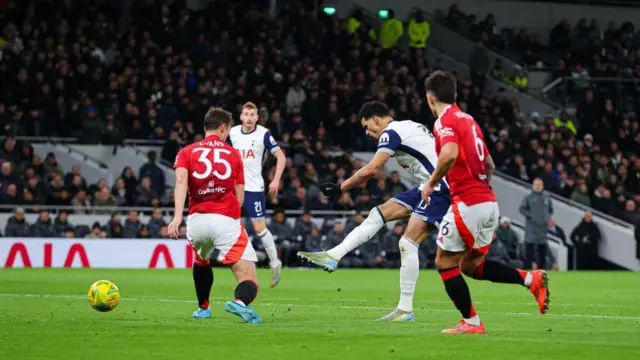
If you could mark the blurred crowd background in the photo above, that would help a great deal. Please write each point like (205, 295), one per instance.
(69, 68)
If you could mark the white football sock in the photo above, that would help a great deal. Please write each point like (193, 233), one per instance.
(528, 279)
(474, 320)
(269, 247)
(360, 235)
(409, 270)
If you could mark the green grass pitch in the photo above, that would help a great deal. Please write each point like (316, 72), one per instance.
(44, 313)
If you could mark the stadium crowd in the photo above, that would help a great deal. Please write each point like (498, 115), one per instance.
(74, 72)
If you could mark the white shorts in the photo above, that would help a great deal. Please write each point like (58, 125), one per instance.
(209, 232)
(467, 228)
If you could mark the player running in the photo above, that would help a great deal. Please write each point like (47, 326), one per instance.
(213, 174)
(467, 229)
(252, 141)
(413, 146)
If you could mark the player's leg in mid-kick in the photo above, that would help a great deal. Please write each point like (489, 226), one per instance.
(463, 241)
(245, 292)
(254, 204)
(378, 216)
(424, 219)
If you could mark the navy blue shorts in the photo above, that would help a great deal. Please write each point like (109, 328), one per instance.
(433, 213)
(255, 204)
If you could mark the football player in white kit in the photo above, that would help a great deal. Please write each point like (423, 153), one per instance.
(413, 146)
(252, 142)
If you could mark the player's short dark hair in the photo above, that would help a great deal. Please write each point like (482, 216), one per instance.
(442, 86)
(215, 118)
(371, 109)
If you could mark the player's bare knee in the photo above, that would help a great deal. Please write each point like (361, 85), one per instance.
(259, 226)
(446, 260)
(245, 270)
(470, 262)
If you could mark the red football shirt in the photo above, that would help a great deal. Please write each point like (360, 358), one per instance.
(215, 168)
(468, 176)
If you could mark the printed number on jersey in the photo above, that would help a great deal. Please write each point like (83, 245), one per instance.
(478, 143)
(209, 162)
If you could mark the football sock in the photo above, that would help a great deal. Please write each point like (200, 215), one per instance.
(269, 247)
(498, 272)
(360, 235)
(458, 292)
(409, 270)
(203, 281)
(246, 292)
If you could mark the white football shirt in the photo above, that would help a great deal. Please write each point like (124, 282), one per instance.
(414, 147)
(253, 147)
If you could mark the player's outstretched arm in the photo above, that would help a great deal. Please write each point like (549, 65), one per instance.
(281, 161)
(180, 194)
(366, 172)
(446, 159)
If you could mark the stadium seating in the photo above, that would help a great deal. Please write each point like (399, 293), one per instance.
(96, 82)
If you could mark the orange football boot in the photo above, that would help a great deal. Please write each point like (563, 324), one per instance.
(540, 289)
(464, 328)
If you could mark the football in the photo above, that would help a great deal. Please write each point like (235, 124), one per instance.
(104, 295)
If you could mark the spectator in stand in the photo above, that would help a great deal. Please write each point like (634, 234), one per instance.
(71, 176)
(156, 223)
(96, 231)
(61, 223)
(586, 238)
(303, 226)
(284, 237)
(115, 231)
(17, 225)
(390, 252)
(391, 31)
(119, 193)
(498, 252)
(146, 192)
(557, 231)
(537, 210)
(314, 241)
(10, 195)
(581, 195)
(508, 238)
(630, 213)
(68, 233)
(81, 203)
(43, 227)
(154, 172)
(418, 31)
(103, 198)
(143, 233)
(131, 226)
(479, 65)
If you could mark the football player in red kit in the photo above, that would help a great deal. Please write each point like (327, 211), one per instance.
(211, 171)
(466, 231)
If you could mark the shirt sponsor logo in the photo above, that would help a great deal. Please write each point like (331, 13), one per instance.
(212, 189)
(384, 139)
(444, 132)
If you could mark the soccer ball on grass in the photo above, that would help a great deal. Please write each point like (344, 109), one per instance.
(104, 295)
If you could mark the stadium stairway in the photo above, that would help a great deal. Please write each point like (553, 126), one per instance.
(67, 156)
(133, 155)
(455, 58)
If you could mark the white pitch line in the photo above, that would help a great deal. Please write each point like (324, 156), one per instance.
(75, 297)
